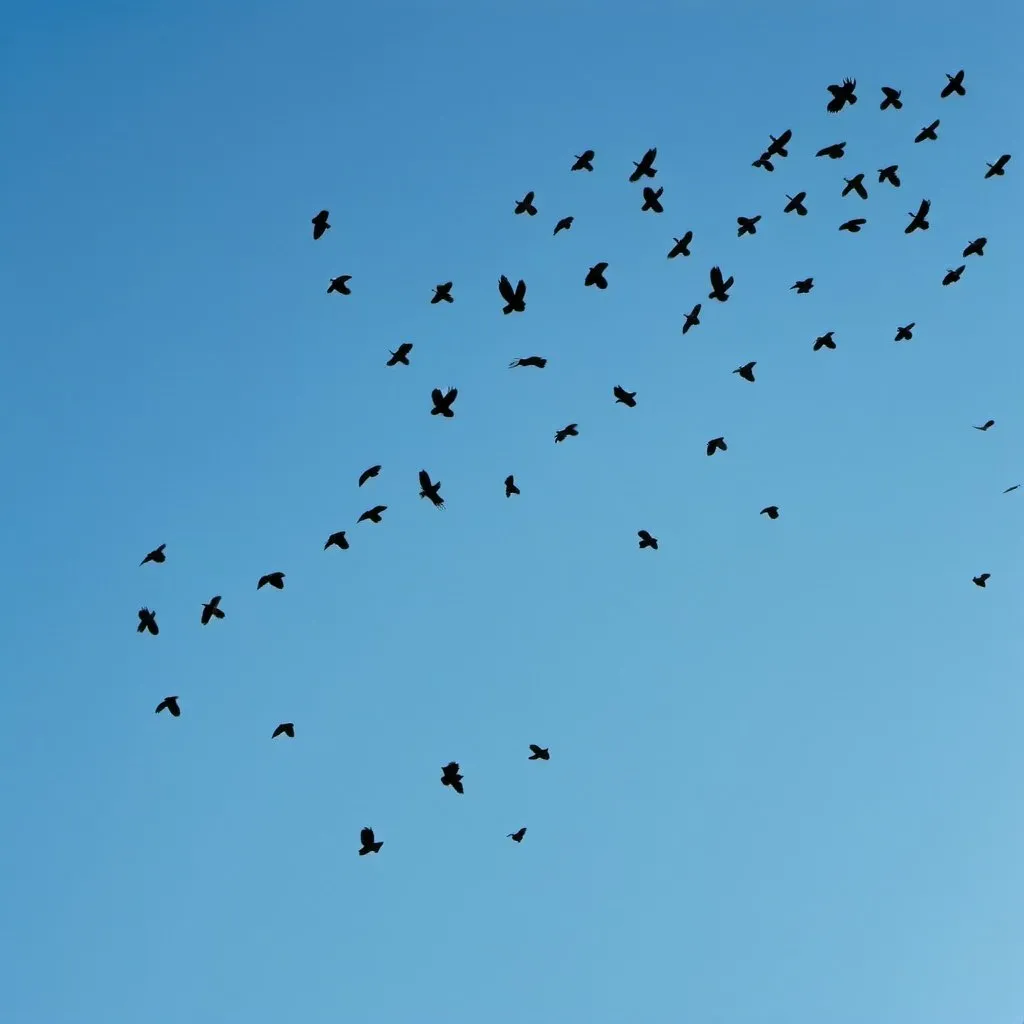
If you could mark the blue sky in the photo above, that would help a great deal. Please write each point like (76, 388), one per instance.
(786, 767)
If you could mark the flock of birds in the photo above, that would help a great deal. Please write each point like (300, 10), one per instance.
(514, 301)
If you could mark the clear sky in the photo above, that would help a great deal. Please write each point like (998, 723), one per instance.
(787, 777)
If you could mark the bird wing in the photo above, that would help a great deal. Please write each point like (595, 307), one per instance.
(452, 394)
(436, 397)
(716, 278)
(505, 288)
(264, 580)
(425, 480)
(520, 290)
(649, 157)
(366, 836)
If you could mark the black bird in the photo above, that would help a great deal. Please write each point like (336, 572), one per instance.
(595, 276)
(682, 246)
(764, 160)
(515, 301)
(855, 184)
(525, 205)
(719, 288)
(980, 581)
(824, 341)
(771, 511)
(211, 610)
(539, 753)
(442, 293)
(998, 169)
(156, 555)
(450, 776)
(804, 286)
(401, 354)
(746, 371)
(833, 152)
(889, 174)
(583, 161)
(627, 398)
(337, 540)
(853, 226)
(892, 98)
(320, 224)
(652, 199)
(841, 95)
(928, 132)
(510, 486)
(986, 425)
(169, 704)
(952, 276)
(692, 318)
(340, 285)
(284, 729)
(778, 145)
(646, 540)
(976, 248)
(430, 491)
(563, 225)
(954, 84)
(443, 403)
(796, 204)
(646, 166)
(368, 474)
(369, 844)
(147, 622)
(717, 444)
(1013, 488)
(539, 361)
(372, 514)
(905, 333)
(747, 225)
(569, 431)
(919, 220)
(275, 579)
(517, 837)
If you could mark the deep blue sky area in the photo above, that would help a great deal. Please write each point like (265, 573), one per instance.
(786, 782)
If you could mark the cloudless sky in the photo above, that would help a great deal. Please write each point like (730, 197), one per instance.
(787, 776)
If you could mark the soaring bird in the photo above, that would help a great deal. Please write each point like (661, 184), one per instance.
(450, 776)
(765, 161)
(563, 225)
(892, 98)
(796, 204)
(430, 491)
(905, 333)
(169, 704)
(980, 581)
(320, 224)
(919, 220)
(568, 431)
(855, 184)
(525, 205)
(777, 147)
(337, 540)
(889, 174)
(583, 161)
(515, 301)
(211, 610)
(369, 844)
(804, 286)
(824, 341)
(646, 540)
(443, 403)
(719, 288)
(645, 168)
(954, 84)
(510, 486)
(682, 246)
(692, 318)
(746, 371)
(841, 95)
(627, 398)
(401, 354)
(747, 225)
(928, 132)
(340, 285)
(368, 474)
(539, 753)
(284, 729)
(975, 248)
(717, 444)
(952, 276)
(275, 579)
(771, 511)
(442, 293)
(595, 276)
(833, 152)
(156, 555)
(372, 514)
(539, 361)
(986, 425)
(998, 169)
(652, 199)
(1013, 488)
(853, 226)
(517, 837)
(147, 622)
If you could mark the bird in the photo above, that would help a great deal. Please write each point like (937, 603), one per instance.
(450, 776)
(928, 132)
(717, 444)
(442, 293)
(284, 729)
(771, 511)
(746, 371)
(777, 147)
(517, 837)
(747, 225)
(954, 84)
(515, 301)
(682, 246)
(1013, 488)
(275, 579)
(719, 288)
(583, 161)
(855, 184)
(652, 199)
(539, 361)
(803, 287)
(372, 514)
(645, 168)
(368, 474)
(952, 276)
(169, 704)
(998, 169)
(919, 220)
(339, 285)
(443, 403)
(568, 431)
(975, 248)
(905, 333)
(337, 540)
(539, 753)
(320, 224)
(430, 491)
(563, 225)
(156, 555)
(692, 318)
(853, 226)
(889, 174)
(796, 204)
(510, 486)
(986, 425)
(401, 354)
(627, 398)
(525, 205)
(824, 341)
(980, 581)
(833, 152)
(646, 540)
(841, 95)
(595, 276)
(892, 98)
(211, 610)
(147, 622)
(369, 844)
(764, 160)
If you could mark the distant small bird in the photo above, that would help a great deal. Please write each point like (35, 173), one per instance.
(853, 226)
(450, 776)
(905, 333)
(892, 98)
(147, 622)
(368, 474)
(284, 729)
(746, 371)
(919, 220)
(443, 403)
(824, 341)
(372, 514)
(583, 161)
(337, 540)
(510, 486)
(340, 285)
(928, 132)
(954, 84)
(804, 286)
(563, 225)
(275, 579)
(646, 540)
(368, 843)
(569, 431)
(889, 174)
(430, 491)
(692, 318)
(841, 95)
(539, 753)
(627, 398)
(442, 293)
(652, 199)
(980, 581)
(515, 301)
(401, 354)
(539, 361)
(747, 225)
(833, 152)
(778, 145)
(765, 161)
(717, 444)
(952, 276)
(169, 704)
(719, 288)
(595, 276)
(156, 555)
(986, 425)
(320, 224)
(771, 511)
(998, 169)
(645, 168)
(855, 184)
(211, 610)
(1013, 488)
(975, 248)
(525, 205)
(517, 837)
(796, 204)
(682, 246)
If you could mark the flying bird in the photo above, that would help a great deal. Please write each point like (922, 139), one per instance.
(986, 425)
(841, 95)
(777, 147)
(525, 205)
(771, 511)
(156, 555)
(954, 84)
(337, 540)
(450, 776)
(980, 581)
(652, 199)
(372, 514)
(275, 579)
(646, 166)
(401, 354)
(368, 474)
(905, 333)
(975, 248)
(339, 285)
(692, 318)
(515, 301)
(517, 837)
(682, 246)
(889, 174)
(539, 361)
(892, 98)
(928, 132)
(717, 444)
(169, 704)
(796, 204)
(627, 398)
(804, 286)
(1013, 488)
(442, 293)
(855, 184)
(368, 843)
(539, 753)
(998, 169)
(833, 152)
(147, 622)
(952, 276)
(919, 220)
(719, 288)
(284, 729)
(583, 161)
(824, 341)
(569, 431)
(320, 224)
(430, 491)
(563, 225)
(443, 403)
(747, 225)
(746, 371)
(853, 226)
(211, 610)
(595, 276)
(646, 540)
(510, 486)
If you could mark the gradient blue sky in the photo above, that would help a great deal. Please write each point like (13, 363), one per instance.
(787, 769)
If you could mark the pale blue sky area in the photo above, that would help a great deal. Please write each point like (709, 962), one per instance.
(786, 782)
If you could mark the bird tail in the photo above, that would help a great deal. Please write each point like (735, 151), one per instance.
(507, 309)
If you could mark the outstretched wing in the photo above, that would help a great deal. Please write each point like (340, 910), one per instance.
(716, 278)
(505, 288)
(366, 836)
(436, 397)
(520, 290)
(922, 211)
(425, 480)
(453, 393)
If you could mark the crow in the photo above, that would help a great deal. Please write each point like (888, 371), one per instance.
(337, 540)
(401, 354)
(998, 169)
(275, 579)
(539, 361)
(646, 540)
(595, 276)
(652, 200)
(841, 95)
(824, 341)
(515, 301)
(804, 286)
(1013, 488)
(156, 555)
(771, 511)
(627, 398)
(510, 486)
(986, 425)
(682, 246)
(855, 184)
(450, 776)
(889, 174)
(443, 403)
(833, 152)
(746, 371)
(284, 729)
(719, 288)
(539, 753)
(169, 704)
(432, 492)
(368, 474)
(980, 581)
(525, 205)
(952, 276)
(517, 837)
(796, 204)
(747, 225)
(583, 161)
(777, 147)
(892, 98)
(320, 224)
(147, 622)
(692, 318)
(928, 132)
(569, 431)
(975, 248)
(954, 84)
(563, 225)
(442, 293)
(646, 166)
(369, 844)
(905, 333)
(717, 444)
(919, 220)
(340, 285)
(853, 226)
(211, 610)
(372, 514)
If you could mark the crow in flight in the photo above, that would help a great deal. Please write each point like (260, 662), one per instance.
(998, 169)
(442, 293)
(796, 204)
(443, 403)
(372, 514)
(284, 729)
(169, 704)
(986, 425)
(824, 341)
(147, 622)
(563, 225)
(646, 540)
(367, 474)
(954, 84)
(905, 333)
(853, 226)
(717, 444)
(682, 246)
(517, 837)
(569, 431)
(841, 95)
(539, 753)
(510, 486)
(432, 492)
(595, 276)
(525, 205)
(889, 174)
(746, 371)
(401, 354)
(337, 540)
(646, 166)
(976, 248)
(833, 152)
(980, 581)
(627, 398)
(340, 285)
(1013, 488)
(855, 184)
(952, 276)
(539, 361)
(928, 132)
(778, 145)
(583, 161)
(771, 511)
(515, 301)
(719, 288)
(692, 318)
(652, 199)
(275, 579)
(804, 286)
(450, 776)
(211, 610)
(919, 220)
(764, 160)
(369, 844)
(320, 224)
(156, 555)
(892, 98)
(747, 225)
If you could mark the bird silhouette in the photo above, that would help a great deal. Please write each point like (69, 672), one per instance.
(889, 174)
(337, 540)
(510, 486)
(719, 288)
(517, 837)
(583, 161)
(568, 431)
(980, 581)
(796, 204)
(824, 341)
(771, 511)
(853, 226)
(442, 293)
(833, 152)
(450, 776)
(747, 225)
(777, 147)
(892, 98)
(904, 333)
(539, 753)
(986, 425)
(169, 704)
(275, 579)
(373, 515)
(919, 220)
(717, 444)
(401, 354)
(682, 246)
(764, 160)
(339, 285)
(692, 318)
(998, 169)
(563, 225)
(952, 276)
(842, 95)
(646, 540)
(746, 371)
(368, 474)
(1013, 488)
(627, 398)
(147, 622)
(284, 729)
(928, 132)
(156, 555)
(855, 184)
(515, 301)
(443, 403)
(645, 168)
(975, 248)
(430, 491)
(539, 361)
(525, 205)
(211, 610)
(368, 843)
(803, 287)
(320, 224)
(595, 276)
(954, 84)
(652, 199)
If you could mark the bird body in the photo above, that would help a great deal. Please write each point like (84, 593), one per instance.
(169, 704)
(568, 431)
(717, 444)
(211, 610)
(337, 540)
(583, 161)
(627, 398)
(954, 84)
(368, 474)
(147, 622)
(517, 837)
(525, 205)
(646, 540)
(450, 776)
(889, 174)
(975, 248)
(746, 371)
(156, 555)
(892, 98)
(855, 184)
(824, 341)
(719, 287)
(919, 220)
(853, 226)
(833, 152)
(796, 204)
(284, 729)
(510, 486)
(905, 333)
(339, 285)
(595, 276)
(928, 133)
(401, 354)
(539, 361)
(515, 300)
(652, 199)
(442, 293)
(443, 402)
(372, 514)
(430, 491)
(645, 168)
(681, 247)
(771, 511)
(692, 319)
(998, 169)
(320, 224)
(539, 753)
(842, 95)
(980, 581)
(368, 843)
(804, 286)
(563, 225)
(275, 579)
(747, 225)
(952, 276)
